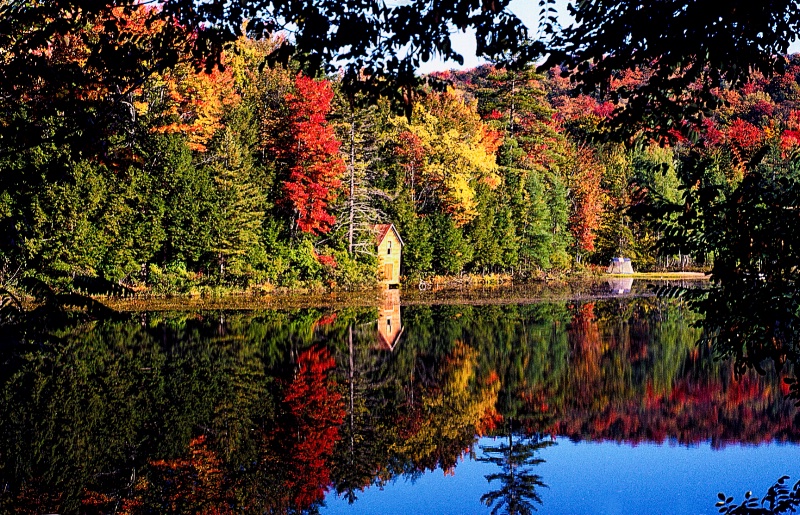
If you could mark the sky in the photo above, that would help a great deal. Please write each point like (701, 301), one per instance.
(528, 12)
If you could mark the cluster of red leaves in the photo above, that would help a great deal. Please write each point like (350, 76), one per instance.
(309, 146)
(790, 139)
(744, 136)
(494, 115)
(603, 110)
(576, 108)
(412, 157)
(761, 108)
(711, 133)
(326, 260)
(750, 87)
(793, 120)
(491, 138)
(630, 79)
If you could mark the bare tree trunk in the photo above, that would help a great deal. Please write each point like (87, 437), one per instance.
(352, 389)
(513, 98)
(352, 181)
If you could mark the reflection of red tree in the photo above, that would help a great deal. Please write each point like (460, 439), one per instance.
(586, 344)
(325, 320)
(311, 427)
(718, 408)
(491, 418)
(614, 392)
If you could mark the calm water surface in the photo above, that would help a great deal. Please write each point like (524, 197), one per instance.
(608, 406)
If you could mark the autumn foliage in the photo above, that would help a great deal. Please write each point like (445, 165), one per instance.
(588, 198)
(310, 150)
(191, 102)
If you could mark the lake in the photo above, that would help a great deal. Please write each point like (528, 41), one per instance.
(601, 404)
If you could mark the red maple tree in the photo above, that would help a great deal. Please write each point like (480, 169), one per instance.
(309, 148)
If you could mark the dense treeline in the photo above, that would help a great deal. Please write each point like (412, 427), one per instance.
(259, 176)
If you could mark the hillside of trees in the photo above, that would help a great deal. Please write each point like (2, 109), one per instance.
(258, 176)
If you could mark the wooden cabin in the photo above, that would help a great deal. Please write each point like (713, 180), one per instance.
(390, 246)
(389, 324)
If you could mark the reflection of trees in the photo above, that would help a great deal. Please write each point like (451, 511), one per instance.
(516, 482)
(464, 370)
(415, 409)
(282, 406)
(364, 369)
(300, 447)
(136, 412)
(446, 415)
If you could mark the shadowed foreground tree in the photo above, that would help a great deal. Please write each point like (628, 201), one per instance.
(780, 498)
(80, 60)
(683, 44)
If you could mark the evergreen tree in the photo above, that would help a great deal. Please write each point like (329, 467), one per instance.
(451, 250)
(238, 206)
(188, 194)
(417, 235)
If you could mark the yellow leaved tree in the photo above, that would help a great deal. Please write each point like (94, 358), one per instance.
(457, 151)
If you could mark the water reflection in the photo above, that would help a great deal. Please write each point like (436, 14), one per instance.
(273, 411)
(389, 322)
(620, 286)
(515, 484)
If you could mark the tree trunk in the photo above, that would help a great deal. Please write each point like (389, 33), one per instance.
(352, 182)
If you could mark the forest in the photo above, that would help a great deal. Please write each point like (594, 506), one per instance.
(256, 175)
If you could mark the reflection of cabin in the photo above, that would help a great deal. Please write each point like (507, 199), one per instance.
(620, 286)
(389, 246)
(389, 324)
(620, 265)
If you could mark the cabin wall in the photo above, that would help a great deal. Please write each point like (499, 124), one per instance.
(389, 324)
(389, 259)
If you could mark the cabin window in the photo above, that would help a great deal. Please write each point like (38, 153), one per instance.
(389, 325)
(389, 248)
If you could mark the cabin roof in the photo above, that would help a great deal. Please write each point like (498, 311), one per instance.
(381, 230)
(393, 343)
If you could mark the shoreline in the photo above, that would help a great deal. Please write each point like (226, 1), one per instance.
(585, 289)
